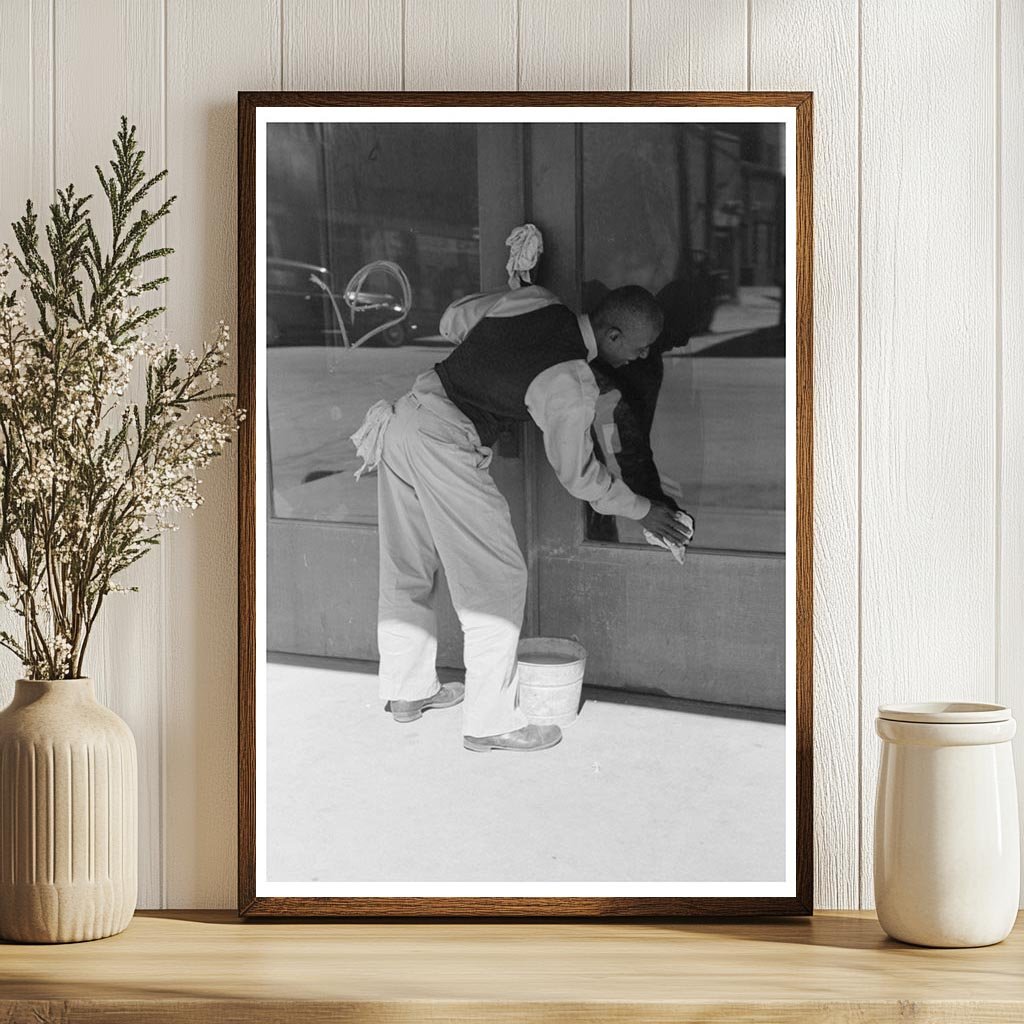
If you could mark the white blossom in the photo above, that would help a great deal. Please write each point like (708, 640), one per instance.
(91, 465)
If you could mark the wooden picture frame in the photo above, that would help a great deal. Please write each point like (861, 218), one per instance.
(798, 900)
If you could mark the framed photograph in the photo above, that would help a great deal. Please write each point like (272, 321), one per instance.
(525, 504)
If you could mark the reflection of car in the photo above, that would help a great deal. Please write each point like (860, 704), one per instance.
(372, 310)
(298, 312)
(303, 309)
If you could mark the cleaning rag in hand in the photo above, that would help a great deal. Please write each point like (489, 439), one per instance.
(369, 438)
(678, 550)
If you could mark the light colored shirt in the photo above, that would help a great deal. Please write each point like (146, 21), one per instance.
(465, 313)
(562, 401)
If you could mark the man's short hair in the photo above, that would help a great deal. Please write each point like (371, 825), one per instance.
(630, 302)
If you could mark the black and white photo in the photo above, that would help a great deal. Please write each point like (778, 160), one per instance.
(524, 472)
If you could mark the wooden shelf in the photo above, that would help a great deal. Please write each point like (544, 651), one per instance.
(203, 967)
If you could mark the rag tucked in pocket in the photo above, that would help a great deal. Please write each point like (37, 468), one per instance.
(369, 438)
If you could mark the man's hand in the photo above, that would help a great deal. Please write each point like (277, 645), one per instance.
(662, 522)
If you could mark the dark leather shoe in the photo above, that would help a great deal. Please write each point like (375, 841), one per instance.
(529, 737)
(448, 696)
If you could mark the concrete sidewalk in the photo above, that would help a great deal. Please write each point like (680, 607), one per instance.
(631, 794)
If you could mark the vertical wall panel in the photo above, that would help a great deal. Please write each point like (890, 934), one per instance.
(122, 656)
(928, 537)
(26, 69)
(1010, 212)
(574, 44)
(26, 172)
(468, 45)
(347, 44)
(814, 46)
(213, 51)
(697, 45)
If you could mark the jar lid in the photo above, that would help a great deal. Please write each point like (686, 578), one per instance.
(945, 712)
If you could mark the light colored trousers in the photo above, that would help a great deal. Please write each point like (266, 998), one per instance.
(438, 506)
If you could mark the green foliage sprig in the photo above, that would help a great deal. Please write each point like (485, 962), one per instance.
(89, 478)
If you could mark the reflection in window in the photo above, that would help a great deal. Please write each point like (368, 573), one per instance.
(372, 230)
(694, 213)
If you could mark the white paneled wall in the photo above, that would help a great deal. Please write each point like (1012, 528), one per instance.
(831, 73)
(1009, 327)
(928, 410)
(919, 307)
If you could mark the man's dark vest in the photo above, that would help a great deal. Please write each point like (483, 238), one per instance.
(488, 375)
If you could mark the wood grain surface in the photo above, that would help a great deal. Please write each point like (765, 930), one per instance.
(128, 669)
(468, 45)
(1010, 365)
(928, 367)
(832, 75)
(26, 121)
(229, 45)
(346, 44)
(701, 44)
(199, 967)
(574, 44)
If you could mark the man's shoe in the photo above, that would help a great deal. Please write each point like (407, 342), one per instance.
(448, 696)
(529, 737)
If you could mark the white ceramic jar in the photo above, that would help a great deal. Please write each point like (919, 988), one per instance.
(947, 847)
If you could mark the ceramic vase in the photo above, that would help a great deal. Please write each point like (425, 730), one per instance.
(68, 815)
(947, 847)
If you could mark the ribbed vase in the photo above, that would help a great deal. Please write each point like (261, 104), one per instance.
(68, 815)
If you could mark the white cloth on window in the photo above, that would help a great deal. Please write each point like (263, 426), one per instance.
(562, 401)
(525, 245)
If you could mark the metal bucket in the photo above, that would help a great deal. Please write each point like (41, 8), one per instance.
(551, 679)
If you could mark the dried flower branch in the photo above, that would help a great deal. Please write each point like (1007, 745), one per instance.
(88, 478)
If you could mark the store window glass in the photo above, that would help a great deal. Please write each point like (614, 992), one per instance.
(372, 230)
(695, 214)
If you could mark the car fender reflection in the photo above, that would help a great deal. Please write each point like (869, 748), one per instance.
(359, 301)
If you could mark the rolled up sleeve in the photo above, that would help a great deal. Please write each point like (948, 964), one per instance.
(561, 401)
